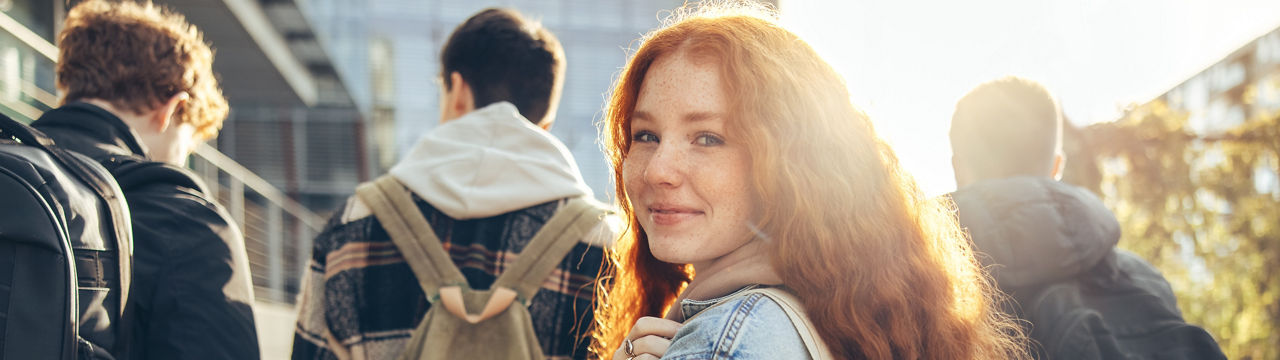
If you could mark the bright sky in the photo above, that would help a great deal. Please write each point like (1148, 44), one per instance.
(907, 62)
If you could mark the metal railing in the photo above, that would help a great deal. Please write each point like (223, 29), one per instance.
(277, 229)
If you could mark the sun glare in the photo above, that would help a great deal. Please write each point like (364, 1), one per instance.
(907, 62)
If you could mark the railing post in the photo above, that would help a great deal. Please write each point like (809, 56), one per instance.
(236, 199)
(208, 173)
(302, 253)
(275, 251)
(271, 228)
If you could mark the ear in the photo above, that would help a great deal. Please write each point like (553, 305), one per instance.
(1059, 164)
(463, 100)
(162, 116)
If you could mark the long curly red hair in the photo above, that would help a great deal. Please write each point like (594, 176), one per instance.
(883, 271)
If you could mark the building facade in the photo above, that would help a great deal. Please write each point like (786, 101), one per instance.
(1242, 86)
(388, 53)
(27, 30)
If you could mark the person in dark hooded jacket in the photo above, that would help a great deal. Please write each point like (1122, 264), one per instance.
(138, 94)
(1052, 246)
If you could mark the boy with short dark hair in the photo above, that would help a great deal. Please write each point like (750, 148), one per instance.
(486, 179)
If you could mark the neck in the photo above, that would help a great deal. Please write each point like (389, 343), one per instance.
(134, 120)
(746, 265)
(160, 146)
(749, 254)
(962, 184)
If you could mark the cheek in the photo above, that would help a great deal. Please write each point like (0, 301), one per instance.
(729, 179)
(632, 171)
(727, 175)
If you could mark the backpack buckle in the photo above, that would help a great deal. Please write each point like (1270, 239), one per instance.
(500, 300)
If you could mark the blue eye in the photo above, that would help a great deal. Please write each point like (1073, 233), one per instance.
(708, 140)
(644, 136)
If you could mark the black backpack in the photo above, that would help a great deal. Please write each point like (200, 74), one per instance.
(1121, 309)
(65, 251)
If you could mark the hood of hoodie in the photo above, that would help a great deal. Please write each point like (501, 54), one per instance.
(1035, 230)
(489, 162)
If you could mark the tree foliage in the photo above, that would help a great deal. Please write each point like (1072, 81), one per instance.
(1203, 208)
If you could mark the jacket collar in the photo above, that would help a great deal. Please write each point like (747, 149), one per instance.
(690, 308)
(106, 130)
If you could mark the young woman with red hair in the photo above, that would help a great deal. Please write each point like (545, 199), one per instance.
(741, 164)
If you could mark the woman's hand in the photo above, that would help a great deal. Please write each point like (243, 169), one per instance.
(648, 339)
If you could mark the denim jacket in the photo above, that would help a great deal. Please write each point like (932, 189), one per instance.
(736, 327)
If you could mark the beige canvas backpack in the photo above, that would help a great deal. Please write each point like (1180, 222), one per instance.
(463, 323)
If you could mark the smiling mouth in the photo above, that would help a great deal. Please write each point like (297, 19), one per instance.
(669, 216)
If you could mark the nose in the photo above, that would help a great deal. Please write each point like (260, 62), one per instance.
(666, 167)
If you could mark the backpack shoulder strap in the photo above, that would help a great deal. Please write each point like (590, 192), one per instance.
(565, 229)
(96, 178)
(393, 206)
(795, 311)
(133, 173)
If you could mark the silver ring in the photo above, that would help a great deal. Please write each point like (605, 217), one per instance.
(629, 348)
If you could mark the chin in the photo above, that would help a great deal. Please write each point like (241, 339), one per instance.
(665, 252)
(669, 259)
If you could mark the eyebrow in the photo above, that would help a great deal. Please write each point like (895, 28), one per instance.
(690, 117)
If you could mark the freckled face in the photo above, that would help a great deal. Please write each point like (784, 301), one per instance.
(688, 181)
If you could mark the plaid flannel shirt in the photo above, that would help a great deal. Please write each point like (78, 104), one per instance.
(360, 299)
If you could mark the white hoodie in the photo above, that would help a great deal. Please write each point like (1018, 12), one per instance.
(489, 162)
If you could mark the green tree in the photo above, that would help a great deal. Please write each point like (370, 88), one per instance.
(1203, 208)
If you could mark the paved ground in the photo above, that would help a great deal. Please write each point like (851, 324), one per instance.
(275, 329)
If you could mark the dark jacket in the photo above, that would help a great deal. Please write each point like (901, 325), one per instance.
(1036, 230)
(192, 295)
(1051, 247)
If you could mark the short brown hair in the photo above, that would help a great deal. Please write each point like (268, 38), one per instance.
(1007, 127)
(137, 56)
(505, 57)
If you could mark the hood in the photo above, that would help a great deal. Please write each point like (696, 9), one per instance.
(489, 162)
(1036, 230)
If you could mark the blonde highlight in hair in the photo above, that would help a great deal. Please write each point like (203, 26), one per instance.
(883, 271)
